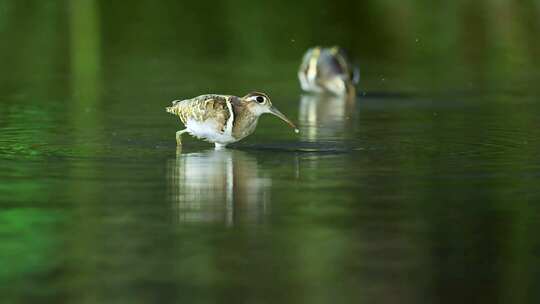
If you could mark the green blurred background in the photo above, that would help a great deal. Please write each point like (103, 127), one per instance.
(426, 193)
(418, 41)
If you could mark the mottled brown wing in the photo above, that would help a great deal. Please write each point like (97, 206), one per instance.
(202, 108)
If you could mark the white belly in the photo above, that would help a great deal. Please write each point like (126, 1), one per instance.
(210, 131)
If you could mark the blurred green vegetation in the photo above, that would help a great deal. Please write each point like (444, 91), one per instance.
(421, 42)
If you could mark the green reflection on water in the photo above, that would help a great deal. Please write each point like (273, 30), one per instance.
(28, 250)
(28, 241)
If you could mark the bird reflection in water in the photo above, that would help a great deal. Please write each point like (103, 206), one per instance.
(327, 117)
(218, 186)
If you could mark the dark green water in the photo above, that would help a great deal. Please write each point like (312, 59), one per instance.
(425, 190)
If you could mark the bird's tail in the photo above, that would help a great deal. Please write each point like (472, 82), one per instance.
(174, 108)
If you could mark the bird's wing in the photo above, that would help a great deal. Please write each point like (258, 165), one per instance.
(204, 107)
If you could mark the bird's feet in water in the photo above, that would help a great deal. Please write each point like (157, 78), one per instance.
(220, 146)
(179, 137)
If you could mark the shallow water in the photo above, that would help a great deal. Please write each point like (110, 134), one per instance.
(422, 190)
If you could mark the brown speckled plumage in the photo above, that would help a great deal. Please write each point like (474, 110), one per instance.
(232, 118)
(201, 108)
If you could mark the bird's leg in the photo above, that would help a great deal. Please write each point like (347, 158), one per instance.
(179, 137)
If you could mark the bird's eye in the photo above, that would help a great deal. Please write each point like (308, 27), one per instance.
(260, 99)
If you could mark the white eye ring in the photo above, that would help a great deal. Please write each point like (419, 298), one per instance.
(258, 99)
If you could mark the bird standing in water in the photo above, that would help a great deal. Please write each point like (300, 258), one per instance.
(223, 119)
(328, 70)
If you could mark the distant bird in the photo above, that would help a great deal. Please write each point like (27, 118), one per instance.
(223, 119)
(328, 70)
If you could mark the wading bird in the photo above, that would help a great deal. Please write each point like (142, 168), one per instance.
(223, 119)
(328, 70)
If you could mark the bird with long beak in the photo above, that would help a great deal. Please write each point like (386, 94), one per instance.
(223, 119)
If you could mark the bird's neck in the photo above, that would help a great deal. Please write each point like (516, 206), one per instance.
(244, 122)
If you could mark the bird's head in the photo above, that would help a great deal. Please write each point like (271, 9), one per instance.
(259, 103)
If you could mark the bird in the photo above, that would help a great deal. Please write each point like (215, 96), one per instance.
(328, 70)
(223, 119)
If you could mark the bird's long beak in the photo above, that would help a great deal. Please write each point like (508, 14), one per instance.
(277, 113)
